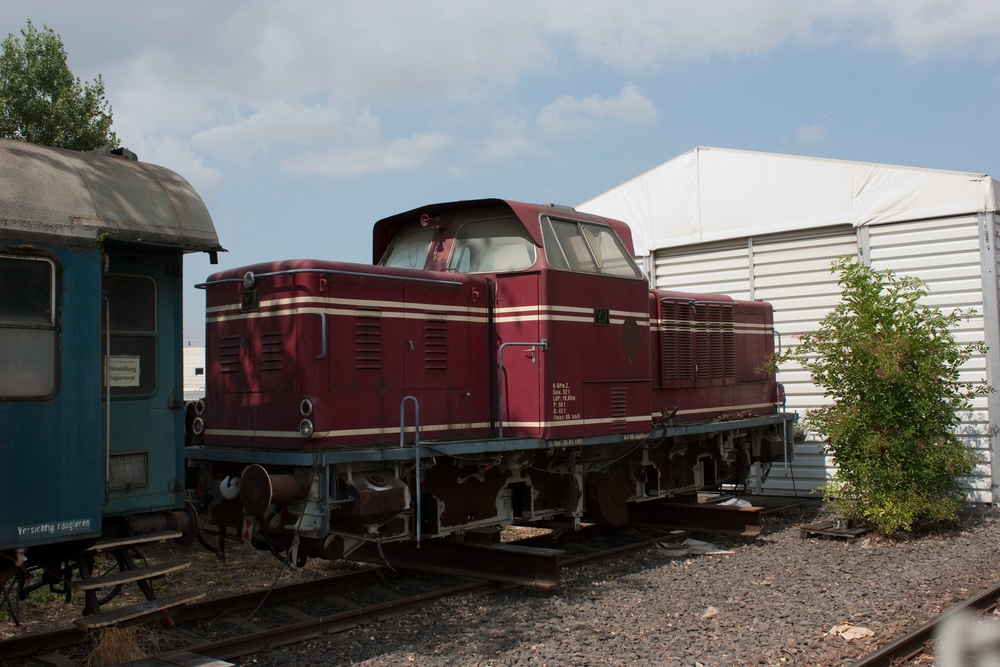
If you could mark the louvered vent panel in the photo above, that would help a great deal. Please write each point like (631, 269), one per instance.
(272, 351)
(668, 338)
(715, 339)
(436, 342)
(619, 410)
(368, 339)
(229, 354)
(728, 341)
(703, 355)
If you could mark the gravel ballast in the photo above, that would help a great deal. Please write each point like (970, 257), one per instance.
(772, 601)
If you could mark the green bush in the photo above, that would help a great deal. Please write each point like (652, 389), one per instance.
(891, 367)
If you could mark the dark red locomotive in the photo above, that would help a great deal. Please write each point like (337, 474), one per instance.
(548, 380)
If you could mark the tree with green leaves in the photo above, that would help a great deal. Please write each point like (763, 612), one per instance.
(891, 367)
(41, 101)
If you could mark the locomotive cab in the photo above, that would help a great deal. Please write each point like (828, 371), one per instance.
(570, 309)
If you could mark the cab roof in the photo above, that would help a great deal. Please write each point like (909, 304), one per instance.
(529, 215)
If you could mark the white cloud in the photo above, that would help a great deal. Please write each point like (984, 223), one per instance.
(810, 134)
(398, 154)
(568, 115)
(321, 87)
(171, 153)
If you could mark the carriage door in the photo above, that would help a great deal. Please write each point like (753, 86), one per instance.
(517, 320)
(137, 416)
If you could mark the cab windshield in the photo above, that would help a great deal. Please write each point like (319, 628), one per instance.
(492, 246)
(409, 249)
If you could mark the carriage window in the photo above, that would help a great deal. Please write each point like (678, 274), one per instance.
(492, 246)
(409, 249)
(131, 311)
(27, 328)
(587, 248)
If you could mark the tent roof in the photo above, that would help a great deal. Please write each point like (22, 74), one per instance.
(56, 192)
(713, 194)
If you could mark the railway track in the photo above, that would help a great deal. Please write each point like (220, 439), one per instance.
(921, 641)
(232, 626)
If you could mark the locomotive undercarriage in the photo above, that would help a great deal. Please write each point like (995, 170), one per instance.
(329, 510)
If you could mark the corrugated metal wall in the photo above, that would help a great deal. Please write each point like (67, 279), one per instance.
(792, 272)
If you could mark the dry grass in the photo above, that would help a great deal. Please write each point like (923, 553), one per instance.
(113, 646)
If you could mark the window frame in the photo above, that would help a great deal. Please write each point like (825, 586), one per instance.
(154, 334)
(550, 237)
(55, 313)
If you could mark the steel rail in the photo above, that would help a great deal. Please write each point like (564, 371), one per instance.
(914, 643)
(289, 634)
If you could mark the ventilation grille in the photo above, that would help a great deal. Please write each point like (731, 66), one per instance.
(675, 333)
(229, 354)
(698, 340)
(272, 351)
(715, 341)
(129, 471)
(619, 409)
(436, 342)
(368, 339)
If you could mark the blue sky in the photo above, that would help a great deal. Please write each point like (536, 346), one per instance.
(302, 123)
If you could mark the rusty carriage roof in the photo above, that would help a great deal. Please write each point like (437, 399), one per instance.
(51, 192)
(529, 215)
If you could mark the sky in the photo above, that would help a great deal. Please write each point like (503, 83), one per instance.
(303, 122)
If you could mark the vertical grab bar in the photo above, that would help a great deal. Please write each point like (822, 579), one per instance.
(322, 330)
(416, 445)
(543, 344)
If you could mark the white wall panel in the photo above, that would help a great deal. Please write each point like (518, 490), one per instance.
(720, 270)
(793, 274)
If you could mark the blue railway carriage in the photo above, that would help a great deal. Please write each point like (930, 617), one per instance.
(91, 391)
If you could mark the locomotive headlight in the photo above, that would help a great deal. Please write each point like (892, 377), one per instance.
(306, 407)
(198, 426)
(306, 429)
(249, 280)
(199, 407)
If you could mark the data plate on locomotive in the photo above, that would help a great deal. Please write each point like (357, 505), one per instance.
(250, 301)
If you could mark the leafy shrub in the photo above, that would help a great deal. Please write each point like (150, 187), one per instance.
(891, 367)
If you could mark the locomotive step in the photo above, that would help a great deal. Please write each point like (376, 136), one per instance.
(115, 542)
(149, 608)
(125, 576)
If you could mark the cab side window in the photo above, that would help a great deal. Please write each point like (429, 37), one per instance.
(27, 328)
(586, 247)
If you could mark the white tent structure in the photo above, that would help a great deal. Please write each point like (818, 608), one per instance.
(766, 226)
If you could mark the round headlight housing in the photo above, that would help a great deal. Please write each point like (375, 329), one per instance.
(199, 407)
(249, 280)
(306, 429)
(198, 426)
(306, 407)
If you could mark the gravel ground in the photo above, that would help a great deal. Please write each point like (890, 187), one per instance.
(772, 601)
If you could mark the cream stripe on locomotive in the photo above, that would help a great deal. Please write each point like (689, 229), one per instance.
(447, 427)
(418, 311)
(430, 428)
